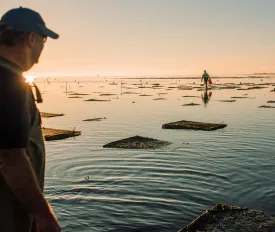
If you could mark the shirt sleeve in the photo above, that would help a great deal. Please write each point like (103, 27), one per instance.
(14, 117)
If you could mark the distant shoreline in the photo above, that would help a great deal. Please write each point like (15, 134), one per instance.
(252, 77)
(145, 78)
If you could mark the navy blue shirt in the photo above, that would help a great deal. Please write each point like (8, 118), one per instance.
(15, 115)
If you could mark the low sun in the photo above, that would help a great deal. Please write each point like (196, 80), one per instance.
(29, 79)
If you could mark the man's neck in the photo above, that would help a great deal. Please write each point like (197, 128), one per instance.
(12, 56)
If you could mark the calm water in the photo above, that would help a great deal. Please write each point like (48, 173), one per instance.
(164, 189)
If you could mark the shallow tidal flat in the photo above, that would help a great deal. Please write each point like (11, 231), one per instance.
(166, 188)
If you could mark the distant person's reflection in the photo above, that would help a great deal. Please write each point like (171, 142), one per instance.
(206, 97)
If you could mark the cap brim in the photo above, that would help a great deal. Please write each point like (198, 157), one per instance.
(49, 33)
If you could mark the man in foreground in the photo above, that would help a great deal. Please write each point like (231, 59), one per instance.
(23, 207)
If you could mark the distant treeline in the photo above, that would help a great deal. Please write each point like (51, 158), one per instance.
(264, 73)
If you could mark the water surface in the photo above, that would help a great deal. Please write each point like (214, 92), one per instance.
(97, 189)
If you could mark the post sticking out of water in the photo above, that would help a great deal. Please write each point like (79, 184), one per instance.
(120, 87)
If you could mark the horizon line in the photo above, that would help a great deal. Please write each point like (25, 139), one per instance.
(148, 76)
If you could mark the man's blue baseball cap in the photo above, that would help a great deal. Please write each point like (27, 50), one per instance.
(27, 20)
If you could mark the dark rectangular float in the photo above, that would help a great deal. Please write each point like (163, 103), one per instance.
(57, 134)
(50, 115)
(137, 142)
(191, 125)
(225, 218)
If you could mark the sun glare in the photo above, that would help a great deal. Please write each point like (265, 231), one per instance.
(29, 79)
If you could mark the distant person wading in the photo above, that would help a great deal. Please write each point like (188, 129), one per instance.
(206, 78)
(23, 207)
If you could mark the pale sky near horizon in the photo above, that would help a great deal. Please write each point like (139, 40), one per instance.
(155, 37)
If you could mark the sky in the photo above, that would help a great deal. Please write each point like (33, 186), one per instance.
(155, 37)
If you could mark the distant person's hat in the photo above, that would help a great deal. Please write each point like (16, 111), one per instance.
(27, 20)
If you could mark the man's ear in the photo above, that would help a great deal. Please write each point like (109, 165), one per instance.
(30, 39)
